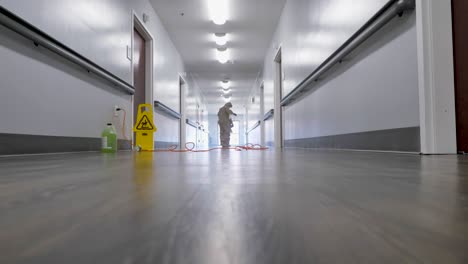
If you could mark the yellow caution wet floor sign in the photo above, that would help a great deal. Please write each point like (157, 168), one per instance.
(144, 127)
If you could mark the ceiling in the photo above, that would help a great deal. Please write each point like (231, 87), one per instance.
(250, 28)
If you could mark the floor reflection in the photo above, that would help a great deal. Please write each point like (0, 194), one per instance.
(297, 206)
(143, 176)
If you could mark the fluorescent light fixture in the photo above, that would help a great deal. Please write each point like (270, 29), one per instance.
(222, 55)
(218, 10)
(226, 91)
(220, 39)
(226, 84)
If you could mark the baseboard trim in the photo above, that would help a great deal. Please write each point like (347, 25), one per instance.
(390, 140)
(359, 150)
(164, 145)
(20, 144)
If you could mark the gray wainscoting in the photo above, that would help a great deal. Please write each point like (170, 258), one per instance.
(16, 144)
(164, 145)
(400, 139)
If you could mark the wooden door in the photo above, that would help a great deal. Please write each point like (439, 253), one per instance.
(139, 71)
(460, 33)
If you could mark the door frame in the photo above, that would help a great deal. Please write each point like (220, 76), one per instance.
(182, 108)
(278, 93)
(436, 77)
(139, 25)
(197, 121)
(246, 123)
(262, 111)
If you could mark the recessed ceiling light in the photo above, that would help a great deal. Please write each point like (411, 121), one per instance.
(222, 55)
(226, 91)
(218, 10)
(225, 84)
(220, 39)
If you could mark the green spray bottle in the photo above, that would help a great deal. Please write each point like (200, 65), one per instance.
(109, 139)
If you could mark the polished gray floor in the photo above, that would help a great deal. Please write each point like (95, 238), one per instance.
(298, 206)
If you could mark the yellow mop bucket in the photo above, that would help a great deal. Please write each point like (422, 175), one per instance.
(145, 128)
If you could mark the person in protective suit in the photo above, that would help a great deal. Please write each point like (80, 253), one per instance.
(225, 124)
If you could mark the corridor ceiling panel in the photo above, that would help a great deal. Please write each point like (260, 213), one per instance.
(250, 28)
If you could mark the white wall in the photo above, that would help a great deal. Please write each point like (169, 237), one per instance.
(255, 136)
(98, 30)
(254, 111)
(203, 135)
(214, 130)
(378, 92)
(310, 31)
(191, 134)
(269, 132)
(42, 94)
(196, 111)
(375, 89)
(241, 118)
(254, 108)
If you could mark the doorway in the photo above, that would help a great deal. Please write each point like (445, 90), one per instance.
(460, 42)
(139, 72)
(262, 111)
(198, 122)
(142, 66)
(278, 94)
(183, 116)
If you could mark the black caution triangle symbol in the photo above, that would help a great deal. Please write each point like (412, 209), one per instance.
(145, 124)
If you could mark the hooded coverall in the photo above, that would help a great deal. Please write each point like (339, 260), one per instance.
(225, 124)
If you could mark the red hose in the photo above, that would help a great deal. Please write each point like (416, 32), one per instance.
(190, 147)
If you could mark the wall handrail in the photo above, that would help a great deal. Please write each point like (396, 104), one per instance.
(255, 126)
(166, 110)
(38, 37)
(269, 115)
(392, 9)
(191, 123)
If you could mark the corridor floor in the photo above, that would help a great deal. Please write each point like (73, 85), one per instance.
(298, 206)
